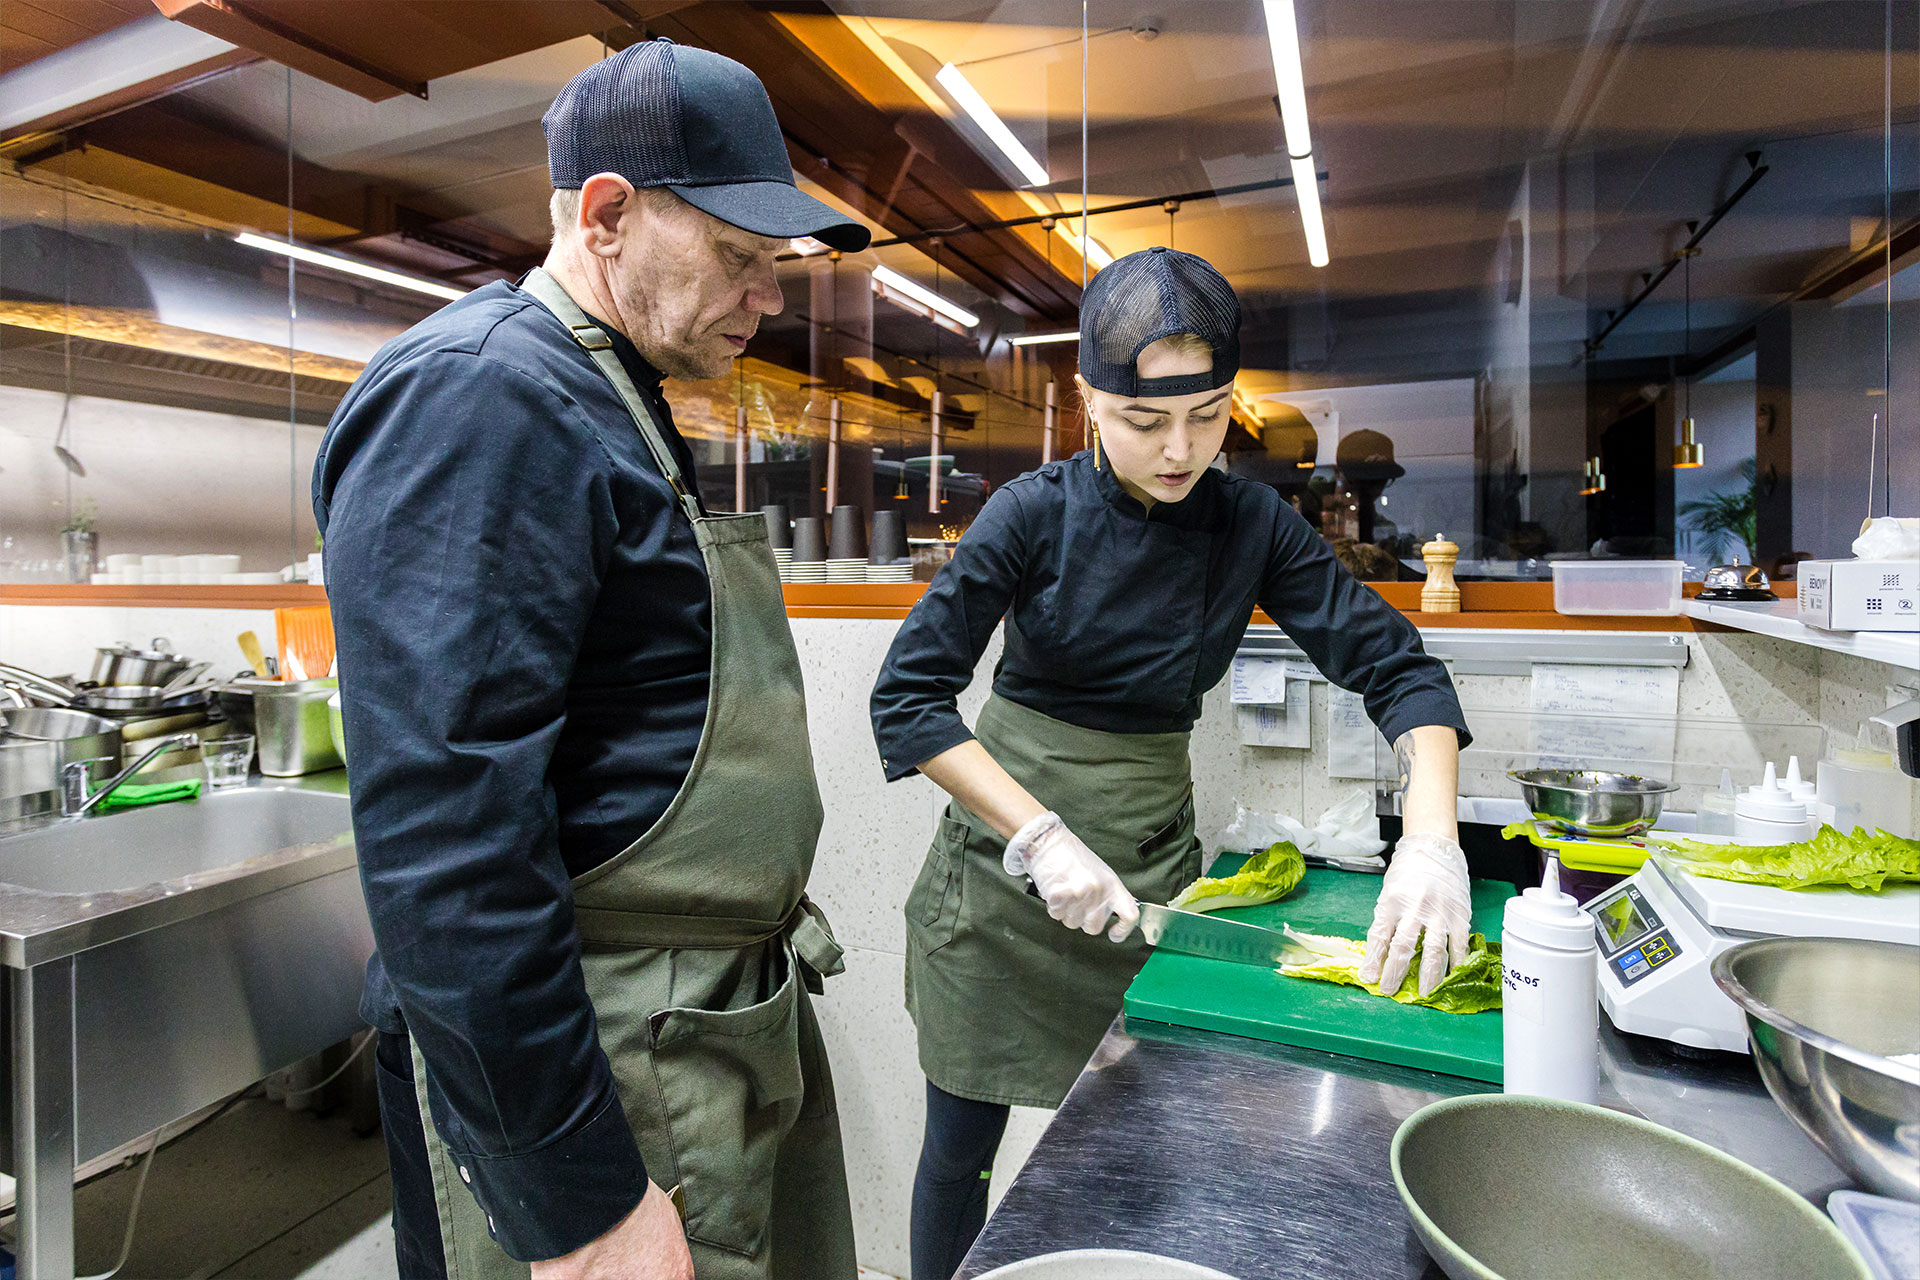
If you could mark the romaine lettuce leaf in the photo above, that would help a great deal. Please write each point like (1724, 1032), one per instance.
(1267, 876)
(1860, 860)
(1471, 987)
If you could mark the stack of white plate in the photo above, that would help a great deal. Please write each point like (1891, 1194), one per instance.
(783, 557)
(900, 572)
(809, 571)
(854, 570)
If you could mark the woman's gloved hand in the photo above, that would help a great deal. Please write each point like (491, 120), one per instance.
(1080, 889)
(1425, 892)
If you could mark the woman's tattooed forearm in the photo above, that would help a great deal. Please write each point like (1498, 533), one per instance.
(1403, 752)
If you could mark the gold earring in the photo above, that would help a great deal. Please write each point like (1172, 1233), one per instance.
(1096, 447)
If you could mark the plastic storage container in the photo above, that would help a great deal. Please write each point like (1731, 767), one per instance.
(1634, 588)
(1550, 1019)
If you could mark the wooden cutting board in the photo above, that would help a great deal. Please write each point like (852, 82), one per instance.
(1247, 1000)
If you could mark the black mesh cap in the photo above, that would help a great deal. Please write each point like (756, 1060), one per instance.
(666, 115)
(1144, 297)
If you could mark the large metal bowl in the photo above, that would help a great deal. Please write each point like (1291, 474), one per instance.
(1594, 802)
(1510, 1187)
(1824, 1016)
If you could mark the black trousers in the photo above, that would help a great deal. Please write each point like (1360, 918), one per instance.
(950, 1186)
(416, 1217)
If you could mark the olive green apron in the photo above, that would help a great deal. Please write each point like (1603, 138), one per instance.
(1009, 1003)
(699, 946)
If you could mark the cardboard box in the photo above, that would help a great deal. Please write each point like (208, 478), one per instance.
(1860, 595)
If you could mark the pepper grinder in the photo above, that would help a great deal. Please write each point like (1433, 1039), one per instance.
(1442, 593)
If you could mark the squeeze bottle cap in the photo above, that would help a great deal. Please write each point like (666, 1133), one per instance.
(1721, 801)
(1771, 802)
(1549, 918)
(1800, 790)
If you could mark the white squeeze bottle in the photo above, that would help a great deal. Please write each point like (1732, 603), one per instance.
(1550, 1007)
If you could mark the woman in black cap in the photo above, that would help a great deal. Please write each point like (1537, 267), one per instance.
(1126, 575)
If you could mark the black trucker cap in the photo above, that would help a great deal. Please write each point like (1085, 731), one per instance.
(666, 115)
(1144, 297)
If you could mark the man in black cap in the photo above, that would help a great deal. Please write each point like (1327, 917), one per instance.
(582, 789)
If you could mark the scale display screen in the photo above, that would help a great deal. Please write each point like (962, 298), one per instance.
(1620, 921)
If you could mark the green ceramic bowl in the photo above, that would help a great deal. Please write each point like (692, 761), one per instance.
(1508, 1187)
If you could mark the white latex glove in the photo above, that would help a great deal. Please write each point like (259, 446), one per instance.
(1080, 889)
(1425, 892)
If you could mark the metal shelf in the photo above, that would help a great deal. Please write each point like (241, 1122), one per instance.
(1895, 648)
(1512, 653)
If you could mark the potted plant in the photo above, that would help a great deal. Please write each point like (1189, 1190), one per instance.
(1724, 521)
(80, 542)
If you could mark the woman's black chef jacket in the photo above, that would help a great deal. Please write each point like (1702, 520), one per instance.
(1120, 618)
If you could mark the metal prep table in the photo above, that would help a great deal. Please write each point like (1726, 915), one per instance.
(1263, 1160)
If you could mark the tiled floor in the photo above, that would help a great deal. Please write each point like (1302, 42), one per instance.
(260, 1193)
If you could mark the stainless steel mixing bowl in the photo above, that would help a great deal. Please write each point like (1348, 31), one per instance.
(1825, 1016)
(1594, 802)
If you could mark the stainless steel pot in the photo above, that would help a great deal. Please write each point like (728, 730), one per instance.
(1594, 802)
(29, 778)
(123, 664)
(290, 724)
(53, 738)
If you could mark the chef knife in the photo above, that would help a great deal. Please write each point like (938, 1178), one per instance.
(1194, 934)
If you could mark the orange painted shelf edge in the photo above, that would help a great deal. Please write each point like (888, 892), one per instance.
(1507, 606)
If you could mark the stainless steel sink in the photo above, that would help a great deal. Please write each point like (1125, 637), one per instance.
(157, 961)
(125, 851)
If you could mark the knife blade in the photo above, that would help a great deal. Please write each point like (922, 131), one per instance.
(1195, 934)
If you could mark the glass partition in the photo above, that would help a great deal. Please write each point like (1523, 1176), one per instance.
(1591, 281)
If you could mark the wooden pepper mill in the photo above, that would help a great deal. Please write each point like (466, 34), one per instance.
(1442, 593)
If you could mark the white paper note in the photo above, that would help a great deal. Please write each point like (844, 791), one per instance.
(1287, 724)
(1620, 718)
(1352, 741)
(1257, 680)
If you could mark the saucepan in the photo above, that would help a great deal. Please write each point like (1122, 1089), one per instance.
(1511, 1187)
(125, 664)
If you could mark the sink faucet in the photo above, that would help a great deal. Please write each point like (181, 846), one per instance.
(74, 800)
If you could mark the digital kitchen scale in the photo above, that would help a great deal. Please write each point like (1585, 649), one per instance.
(1660, 931)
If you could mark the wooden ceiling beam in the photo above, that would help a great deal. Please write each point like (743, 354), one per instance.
(839, 138)
(250, 27)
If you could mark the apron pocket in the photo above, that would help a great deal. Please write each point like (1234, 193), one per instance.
(933, 906)
(1168, 835)
(730, 1085)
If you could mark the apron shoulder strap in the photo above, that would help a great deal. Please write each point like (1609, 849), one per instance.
(599, 348)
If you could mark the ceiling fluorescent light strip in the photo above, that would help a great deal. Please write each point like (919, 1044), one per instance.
(301, 253)
(1095, 253)
(1306, 190)
(1283, 36)
(1035, 339)
(925, 297)
(991, 124)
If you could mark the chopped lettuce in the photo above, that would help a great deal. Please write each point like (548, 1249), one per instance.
(1267, 876)
(1473, 986)
(1860, 860)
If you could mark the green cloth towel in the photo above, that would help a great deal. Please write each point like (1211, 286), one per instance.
(132, 795)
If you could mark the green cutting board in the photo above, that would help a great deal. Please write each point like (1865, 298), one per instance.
(1249, 1000)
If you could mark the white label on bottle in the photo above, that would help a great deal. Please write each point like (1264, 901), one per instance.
(1524, 998)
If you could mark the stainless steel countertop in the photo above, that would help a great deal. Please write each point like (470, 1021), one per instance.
(1265, 1160)
(37, 925)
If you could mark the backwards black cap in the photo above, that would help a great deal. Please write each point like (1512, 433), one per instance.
(1144, 297)
(666, 115)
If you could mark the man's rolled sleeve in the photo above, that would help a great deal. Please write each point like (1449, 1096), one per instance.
(468, 521)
